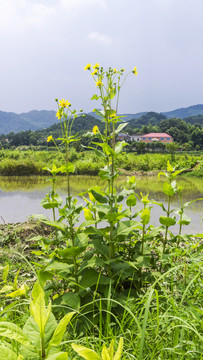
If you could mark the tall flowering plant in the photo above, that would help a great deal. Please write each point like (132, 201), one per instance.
(109, 83)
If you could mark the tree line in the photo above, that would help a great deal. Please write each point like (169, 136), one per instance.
(187, 134)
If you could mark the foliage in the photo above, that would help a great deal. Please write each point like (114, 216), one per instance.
(125, 278)
(41, 336)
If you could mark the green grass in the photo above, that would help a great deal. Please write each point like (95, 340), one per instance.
(30, 162)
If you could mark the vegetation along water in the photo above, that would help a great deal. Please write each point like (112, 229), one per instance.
(114, 286)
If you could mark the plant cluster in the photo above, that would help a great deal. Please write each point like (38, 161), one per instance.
(104, 263)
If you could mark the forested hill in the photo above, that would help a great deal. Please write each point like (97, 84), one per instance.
(185, 112)
(39, 137)
(37, 120)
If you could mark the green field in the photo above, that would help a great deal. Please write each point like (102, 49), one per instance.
(30, 162)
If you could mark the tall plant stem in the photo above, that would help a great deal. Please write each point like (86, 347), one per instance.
(43, 354)
(143, 237)
(111, 245)
(166, 232)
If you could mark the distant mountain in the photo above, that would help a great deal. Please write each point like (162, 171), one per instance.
(125, 117)
(185, 112)
(33, 120)
(37, 120)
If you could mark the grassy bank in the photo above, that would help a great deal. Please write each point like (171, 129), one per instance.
(30, 162)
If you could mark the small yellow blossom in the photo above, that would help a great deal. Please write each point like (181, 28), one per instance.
(99, 83)
(96, 66)
(59, 114)
(114, 70)
(50, 138)
(95, 129)
(135, 71)
(113, 114)
(64, 103)
(87, 67)
(94, 72)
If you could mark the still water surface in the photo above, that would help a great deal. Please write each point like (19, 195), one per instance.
(20, 197)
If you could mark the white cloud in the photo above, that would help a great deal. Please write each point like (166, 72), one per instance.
(83, 4)
(100, 39)
(16, 15)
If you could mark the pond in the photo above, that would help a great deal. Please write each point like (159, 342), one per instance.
(20, 197)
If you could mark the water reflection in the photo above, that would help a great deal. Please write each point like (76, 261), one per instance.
(20, 197)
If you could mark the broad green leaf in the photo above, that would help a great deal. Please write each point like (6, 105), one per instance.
(20, 292)
(145, 216)
(167, 221)
(131, 200)
(105, 354)
(169, 167)
(185, 220)
(7, 354)
(118, 353)
(32, 331)
(55, 224)
(5, 272)
(40, 312)
(99, 113)
(124, 228)
(58, 356)
(95, 97)
(86, 353)
(58, 266)
(119, 147)
(50, 203)
(120, 127)
(99, 197)
(71, 251)
(88, 214)
(60, 330)
(69, 167)
(106, 149)
(91, 277)
(111, 348)
(37, 291)
(16, 280)
(71, 299)
(131, 180)
(13, 332)
(6, 289)
(168, 189)
(45, 275)
(105, 174)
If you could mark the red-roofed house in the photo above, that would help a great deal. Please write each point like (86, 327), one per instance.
(161, 137)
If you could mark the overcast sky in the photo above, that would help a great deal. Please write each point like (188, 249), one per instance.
(45, 45)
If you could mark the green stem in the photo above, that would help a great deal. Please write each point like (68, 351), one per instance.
(166, 232)
(143, 238)
(43, 353)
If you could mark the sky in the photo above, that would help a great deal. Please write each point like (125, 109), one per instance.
(45, 45)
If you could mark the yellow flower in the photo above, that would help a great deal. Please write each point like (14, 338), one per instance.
(113, 115)
(115, 70)
(135, 71)
(95, 129)
(50, 138)
(94, 72)
(64, 103)
(99, 83)
(96, 66)
(59, 114)
(87, 67)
